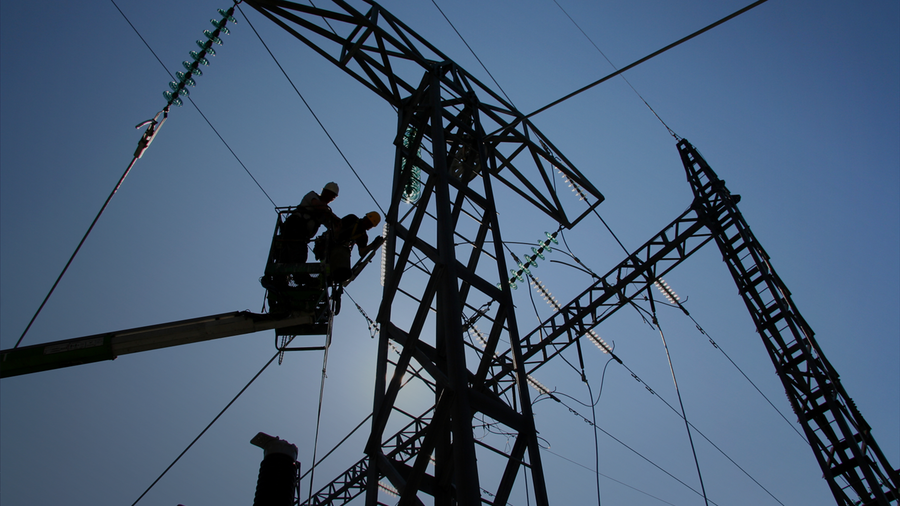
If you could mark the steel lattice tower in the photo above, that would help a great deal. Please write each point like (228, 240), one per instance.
(455, 141)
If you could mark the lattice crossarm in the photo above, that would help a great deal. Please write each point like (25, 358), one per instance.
(675, 243)
(344, 488)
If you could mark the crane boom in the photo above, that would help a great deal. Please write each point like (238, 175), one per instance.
(108, 346)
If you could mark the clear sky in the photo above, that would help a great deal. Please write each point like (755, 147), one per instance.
(795, 104)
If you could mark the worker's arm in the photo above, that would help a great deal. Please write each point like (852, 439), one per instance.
(364, 250)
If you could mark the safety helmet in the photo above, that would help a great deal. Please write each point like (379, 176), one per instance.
(332, 187)
(374, 218)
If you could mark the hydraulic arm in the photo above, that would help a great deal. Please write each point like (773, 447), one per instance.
(108, 346)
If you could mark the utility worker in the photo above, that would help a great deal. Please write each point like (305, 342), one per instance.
(337, 244)
(302, 225)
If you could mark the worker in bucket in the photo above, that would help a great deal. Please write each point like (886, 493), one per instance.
(303, 223)
(335, 246)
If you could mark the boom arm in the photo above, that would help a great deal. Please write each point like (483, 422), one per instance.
(108, 346)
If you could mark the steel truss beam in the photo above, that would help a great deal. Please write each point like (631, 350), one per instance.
(637, 272)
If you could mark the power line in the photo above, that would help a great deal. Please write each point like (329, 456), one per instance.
(597, 427)
(614, 67)
(594, 419)
(605, 476)
(472, 51)
(687, 425)
(342, 441)
(312, 474)
(208, 426)
(78, 248)
(321, 125)
(648, 57)
(639, 380)
(677, 303)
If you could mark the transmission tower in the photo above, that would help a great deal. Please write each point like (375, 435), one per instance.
(447, 317)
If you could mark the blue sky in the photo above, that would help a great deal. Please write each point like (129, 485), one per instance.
(795, 104)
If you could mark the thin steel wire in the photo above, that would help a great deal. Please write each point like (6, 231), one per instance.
(77, 249)
(207, 427)
(648, 57)
(473, 52)
(316, 117)
(671, 132)
(687, 425)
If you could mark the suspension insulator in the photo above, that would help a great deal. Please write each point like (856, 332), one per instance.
(212, 37)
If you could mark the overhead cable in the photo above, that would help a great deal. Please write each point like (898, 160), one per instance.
(148, 136)
(472, 51)
(597, 427)
(614, 67)
(342, 441)
(312, 474)
(676, 302)
(607, 477)
(594, 419)
(648, 57)
(207, 427)
(687, 425)
(321, 125)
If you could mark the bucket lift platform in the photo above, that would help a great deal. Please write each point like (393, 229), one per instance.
(297, 288)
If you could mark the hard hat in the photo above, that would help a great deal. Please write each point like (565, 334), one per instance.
(374, 218)
(332, 187)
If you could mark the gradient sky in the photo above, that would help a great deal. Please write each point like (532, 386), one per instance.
(796, 105)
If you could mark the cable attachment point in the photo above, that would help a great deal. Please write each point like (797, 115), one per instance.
(151, 131)
(670, 294)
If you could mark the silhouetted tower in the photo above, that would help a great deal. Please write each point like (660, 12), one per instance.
(853, 465)
(447, 319)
